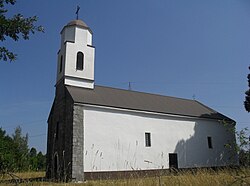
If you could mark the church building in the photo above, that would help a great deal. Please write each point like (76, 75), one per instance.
(95, 129)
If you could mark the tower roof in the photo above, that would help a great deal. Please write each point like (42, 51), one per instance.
(78, 23)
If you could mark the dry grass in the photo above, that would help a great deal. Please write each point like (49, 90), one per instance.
(201, 177)
(22, 175)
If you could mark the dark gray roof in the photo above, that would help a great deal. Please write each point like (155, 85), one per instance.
(118, 98)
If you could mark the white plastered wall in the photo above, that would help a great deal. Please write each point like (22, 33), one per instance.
(80, 44)
(114, 140)
(76, 39)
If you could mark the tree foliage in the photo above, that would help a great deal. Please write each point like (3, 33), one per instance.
(15, 154)
(247, 98)
(244, 147)
(7, 151)
(14, 28)
(241, 145)
(21, 143)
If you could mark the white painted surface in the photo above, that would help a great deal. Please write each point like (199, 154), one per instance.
(78, 82)
(68, 34)
(115, 140)
(73, 40)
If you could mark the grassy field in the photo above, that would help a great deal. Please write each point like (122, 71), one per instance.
(201, 177)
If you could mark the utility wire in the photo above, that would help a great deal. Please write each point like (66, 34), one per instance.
(43, 134)
(25, 123)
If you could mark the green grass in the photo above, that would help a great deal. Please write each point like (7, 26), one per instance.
(201, 177)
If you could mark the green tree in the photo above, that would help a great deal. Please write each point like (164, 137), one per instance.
(7, 151)
(37, 161)
(15, 154)
(33, 159)
(14, 28)
(41, 160)
(22, 150)
(247, 93)
(33, 152)
(241, 145)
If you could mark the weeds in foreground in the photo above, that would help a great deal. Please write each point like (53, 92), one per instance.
(232, 177)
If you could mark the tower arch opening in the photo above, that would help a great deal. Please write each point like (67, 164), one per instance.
(79, 61)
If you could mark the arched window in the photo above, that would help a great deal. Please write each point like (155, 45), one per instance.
(79, 61)
(61, 63)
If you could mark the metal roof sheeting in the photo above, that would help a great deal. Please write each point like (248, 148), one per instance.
(127, 99)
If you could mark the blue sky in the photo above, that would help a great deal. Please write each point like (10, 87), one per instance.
(195, 48)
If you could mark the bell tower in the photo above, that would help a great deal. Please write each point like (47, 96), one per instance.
(75, 64)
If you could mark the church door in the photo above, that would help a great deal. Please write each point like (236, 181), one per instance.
(173, 161)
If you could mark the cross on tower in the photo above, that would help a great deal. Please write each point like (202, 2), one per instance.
(77, 11)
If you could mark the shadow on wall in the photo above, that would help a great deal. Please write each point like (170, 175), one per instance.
(207, 146)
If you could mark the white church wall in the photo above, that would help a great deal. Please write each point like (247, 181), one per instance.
(115, 140)
(72, 49)
(74, 40)
(68, 35)
(79, 83)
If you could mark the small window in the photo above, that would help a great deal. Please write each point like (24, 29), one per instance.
(79, 61)
(209, 142)
(61, 63)
(147, 139)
